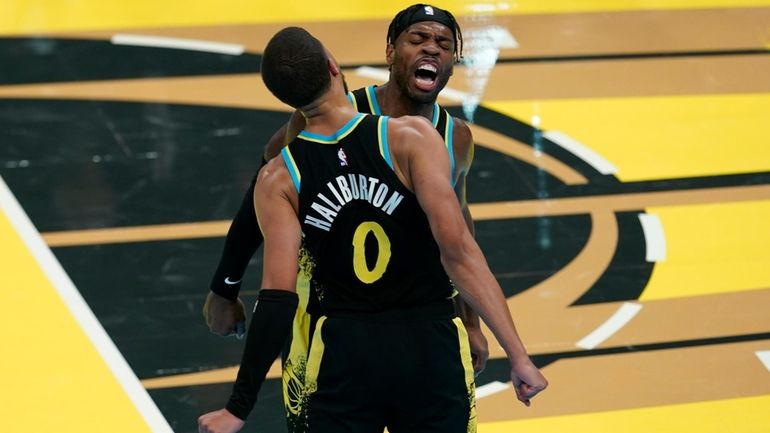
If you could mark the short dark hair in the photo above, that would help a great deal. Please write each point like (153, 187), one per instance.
(424, 12)
(294, 67)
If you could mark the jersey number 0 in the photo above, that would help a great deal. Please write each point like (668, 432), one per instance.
(360, 267)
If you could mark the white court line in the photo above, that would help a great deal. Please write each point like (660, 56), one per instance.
(654, 237)
(177, 44)
(80, 311)
(384, 75)
(764, 357)
(497, 37)
(487, 8)
(625, 313)
(373, 73)
(581, 151)
(491, 388)
(453, 95)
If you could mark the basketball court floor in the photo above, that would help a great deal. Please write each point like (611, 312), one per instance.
(620, 188)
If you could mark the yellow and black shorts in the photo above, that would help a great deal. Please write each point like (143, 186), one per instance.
(409, 371)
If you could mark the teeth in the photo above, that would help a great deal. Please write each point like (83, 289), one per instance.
(430, 68)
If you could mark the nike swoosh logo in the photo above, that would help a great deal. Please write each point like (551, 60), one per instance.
(228, 281)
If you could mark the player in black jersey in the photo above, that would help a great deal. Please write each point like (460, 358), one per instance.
(422, 44)
(364, 204)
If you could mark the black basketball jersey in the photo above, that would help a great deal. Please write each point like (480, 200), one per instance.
(365, 101)
(367, 243)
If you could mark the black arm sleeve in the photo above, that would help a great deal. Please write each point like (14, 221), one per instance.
(269, 330)
(243, 239)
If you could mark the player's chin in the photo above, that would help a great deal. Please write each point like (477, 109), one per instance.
(423, 96)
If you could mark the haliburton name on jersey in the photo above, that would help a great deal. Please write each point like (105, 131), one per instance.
(348, 188)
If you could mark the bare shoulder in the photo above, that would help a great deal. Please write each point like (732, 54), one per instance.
(412, 131)
(276, 203)
(412, 134)
(414, 141)
(274, 179)
(410, 125)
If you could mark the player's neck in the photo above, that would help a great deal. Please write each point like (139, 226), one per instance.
(395, 102)
(328, 114)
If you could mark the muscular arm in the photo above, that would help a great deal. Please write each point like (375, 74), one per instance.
(463, 153)
(421, 164)
(223, 311)
(276, 207)
(270, 326)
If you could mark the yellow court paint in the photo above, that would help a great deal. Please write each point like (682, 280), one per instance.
(740, 415)
(52, 379)
(662, 137)
(712, 249)
(29, 16)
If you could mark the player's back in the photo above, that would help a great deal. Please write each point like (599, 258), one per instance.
(367, 243)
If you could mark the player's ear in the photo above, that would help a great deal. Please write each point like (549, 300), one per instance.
(334, 68)
(389, 49)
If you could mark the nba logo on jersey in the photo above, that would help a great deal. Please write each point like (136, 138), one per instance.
(428, 10)
(343, 158)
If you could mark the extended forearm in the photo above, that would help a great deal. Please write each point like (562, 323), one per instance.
(467, 314)
(467, 267)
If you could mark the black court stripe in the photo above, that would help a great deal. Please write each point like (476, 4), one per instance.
(627, 274)
(664, 185)
(56, 60)
(611, 56)
(499, 369)
(635, 56)
(546, 359)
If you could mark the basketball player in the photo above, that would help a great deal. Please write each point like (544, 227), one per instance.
(387, 350)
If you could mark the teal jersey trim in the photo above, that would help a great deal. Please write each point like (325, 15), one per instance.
(292, 166)
(450, 147)
(373, 101)
(337, 136)
(382, 125)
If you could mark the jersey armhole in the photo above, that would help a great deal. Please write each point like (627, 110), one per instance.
(450, 146)
(296, 178)
(372, 97)
(382, 138)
